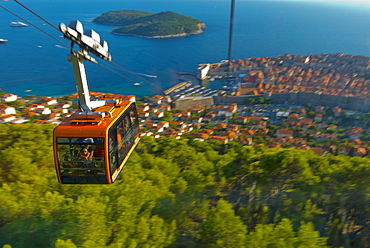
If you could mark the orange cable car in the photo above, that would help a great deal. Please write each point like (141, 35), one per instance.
(93, 144)
(95, 150)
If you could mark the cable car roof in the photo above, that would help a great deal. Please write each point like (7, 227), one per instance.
(93, 126)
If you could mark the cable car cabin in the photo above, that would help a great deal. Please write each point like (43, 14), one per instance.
(92, 150)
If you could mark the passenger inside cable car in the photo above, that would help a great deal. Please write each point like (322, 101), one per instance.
(87, 150)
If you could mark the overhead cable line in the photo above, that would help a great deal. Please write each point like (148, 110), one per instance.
(122, 75)
(115, 64)
(35, 26)
(36, 14)
(30, 23)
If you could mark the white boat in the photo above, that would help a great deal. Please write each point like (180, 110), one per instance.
(137, 84)
(18, 24)
(3, 41)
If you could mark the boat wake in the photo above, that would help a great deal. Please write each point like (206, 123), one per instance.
(146, 75)
(59, 46)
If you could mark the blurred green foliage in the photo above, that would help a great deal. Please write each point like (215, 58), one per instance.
(174, 193)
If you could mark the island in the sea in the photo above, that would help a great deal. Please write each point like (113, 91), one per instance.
(165, 24)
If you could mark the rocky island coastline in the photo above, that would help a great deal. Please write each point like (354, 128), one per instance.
(165, 36)
(165, 24)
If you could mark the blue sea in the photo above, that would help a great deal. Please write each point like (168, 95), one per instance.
(33, 61)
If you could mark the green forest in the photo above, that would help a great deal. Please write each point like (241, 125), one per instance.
(121, 17)
(148, 24)
(176, 193)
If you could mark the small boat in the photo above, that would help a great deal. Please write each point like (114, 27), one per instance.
(2, 41)
(137, 84)
(18, 24)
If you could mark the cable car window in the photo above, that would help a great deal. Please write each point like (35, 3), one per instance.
(127, 123)
(134, 125)
(134, 120)
(121, 133)
(112, 151)
(122, 137)
(63, 140)
(81, 159)
(76, 140)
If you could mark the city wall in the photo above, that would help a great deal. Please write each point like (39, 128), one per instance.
(219, 100)
(191, 102)
(346, 102)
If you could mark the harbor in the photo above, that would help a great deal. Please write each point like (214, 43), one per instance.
(185, 89)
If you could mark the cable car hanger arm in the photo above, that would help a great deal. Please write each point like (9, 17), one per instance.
(88, 41)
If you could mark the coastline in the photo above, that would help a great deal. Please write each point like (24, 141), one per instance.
(162, 36)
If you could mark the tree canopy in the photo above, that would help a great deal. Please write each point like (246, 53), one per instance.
(174, 193)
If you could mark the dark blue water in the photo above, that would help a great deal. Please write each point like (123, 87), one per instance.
(32, 61)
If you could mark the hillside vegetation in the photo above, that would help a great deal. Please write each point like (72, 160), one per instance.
(174, 193)
(146, 24)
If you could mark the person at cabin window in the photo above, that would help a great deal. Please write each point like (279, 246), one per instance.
(87, 150)
(84, 153)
